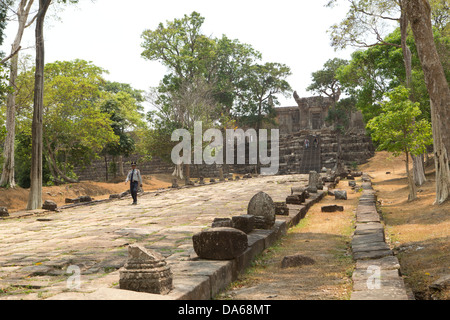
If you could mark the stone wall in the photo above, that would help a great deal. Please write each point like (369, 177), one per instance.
(356, 147)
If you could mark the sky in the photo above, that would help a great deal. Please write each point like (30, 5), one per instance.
(108, 33)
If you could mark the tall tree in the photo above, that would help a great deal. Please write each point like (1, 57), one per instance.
(398, 131)
(261, 87)
(22, 12)
(325, 82)
(419, 13)
(74, 127)
(35, 195)
(362, 28)
(205, 75)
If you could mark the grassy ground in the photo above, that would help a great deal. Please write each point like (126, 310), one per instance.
(323, 237)
(419, 231)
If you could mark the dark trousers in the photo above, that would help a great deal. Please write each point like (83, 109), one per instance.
(134, 190)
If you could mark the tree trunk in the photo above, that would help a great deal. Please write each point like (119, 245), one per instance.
(419, 14)
(55, 169)
(121, 170)
(106, 168)
(418, 170)
(442, 163)
(35, 196)
(411, 185)
(7, 178)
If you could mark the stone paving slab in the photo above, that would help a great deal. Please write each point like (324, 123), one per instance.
(381, 294)
(95, 237)
(376, 276)
(385, 263)
(370, 246)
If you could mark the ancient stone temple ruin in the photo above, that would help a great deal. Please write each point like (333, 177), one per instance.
(305, 121)
(308, 143)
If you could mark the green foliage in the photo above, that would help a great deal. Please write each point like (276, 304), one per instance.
(211, 80)
(75, 129)
(124, 113)
(396, 128)
(3, 21)
(325, 82)
(260, 88)
(361, 25)
(340, 114)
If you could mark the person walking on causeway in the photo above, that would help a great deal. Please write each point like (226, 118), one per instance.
(135, 178)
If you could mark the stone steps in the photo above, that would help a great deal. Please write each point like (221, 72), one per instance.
(377, 274)
(311, 160)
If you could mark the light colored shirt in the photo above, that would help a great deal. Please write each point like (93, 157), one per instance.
(136, 176)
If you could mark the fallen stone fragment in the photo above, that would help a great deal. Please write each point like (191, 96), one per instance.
(262, 207)
(296, 261)
(296, 199)
(220, 243)
(50, 205)
(333, 208)
(222, 223)
(441, 284)
(340, 195)
(281, 209)
(245, 223)
(146, 271)
(4, 212)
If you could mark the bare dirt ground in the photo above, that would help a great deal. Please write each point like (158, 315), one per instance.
(16, 199)
(419, 230)
(419, 233)
(323, 237)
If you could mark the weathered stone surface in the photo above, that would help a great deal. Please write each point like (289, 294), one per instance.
(294, 199)
(281, 209)
(220, 243)
(314, 179)
(221, 177)
(441, 284)
(333, 208)
(222, 223)
(68, 200)
(366, 255)
(352, 184)
(368, 228)
(340, 195)
(381, 294)
(245, 223)
(4, 212)
(262, 207)
(85, 199)
(146, 271)
(371, 246)
(50, 205)
(296, 261)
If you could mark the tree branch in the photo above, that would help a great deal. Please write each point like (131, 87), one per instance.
(10, 56)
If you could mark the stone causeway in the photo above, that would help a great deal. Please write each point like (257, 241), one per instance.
(37, 249)
(377, 274)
